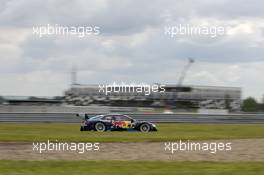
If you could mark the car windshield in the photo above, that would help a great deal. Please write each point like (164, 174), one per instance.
(129, 118)
(96, 117)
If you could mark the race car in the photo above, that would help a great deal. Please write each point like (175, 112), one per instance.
(115, 122)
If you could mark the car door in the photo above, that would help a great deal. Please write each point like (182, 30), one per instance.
(122, 121)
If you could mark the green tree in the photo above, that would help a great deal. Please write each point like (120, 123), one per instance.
(227, 102)
(250, 105)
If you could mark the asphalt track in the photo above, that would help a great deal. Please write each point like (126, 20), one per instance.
(157, 118)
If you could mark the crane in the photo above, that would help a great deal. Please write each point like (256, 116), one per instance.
(184, 71)
(179, 87)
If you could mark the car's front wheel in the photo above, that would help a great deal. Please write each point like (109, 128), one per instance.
(145, 127)
(100, 127)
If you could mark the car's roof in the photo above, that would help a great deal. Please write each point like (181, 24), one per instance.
(113, 114)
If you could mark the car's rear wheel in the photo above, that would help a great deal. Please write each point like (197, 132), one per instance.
(100, 127)
(145, 127)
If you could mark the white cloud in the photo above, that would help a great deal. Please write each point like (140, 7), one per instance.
(132, 45)
(38, 83)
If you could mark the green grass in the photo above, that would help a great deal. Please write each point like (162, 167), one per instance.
(129, 168)
(167, 132)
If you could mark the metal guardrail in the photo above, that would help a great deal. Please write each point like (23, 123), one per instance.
(159, 118)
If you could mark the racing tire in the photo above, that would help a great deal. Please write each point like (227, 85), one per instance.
(100, 127)
(144, 127)
(81, 129)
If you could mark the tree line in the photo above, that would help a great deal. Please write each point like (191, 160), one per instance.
(250, 104)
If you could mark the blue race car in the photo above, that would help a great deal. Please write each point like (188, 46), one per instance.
(115, 122)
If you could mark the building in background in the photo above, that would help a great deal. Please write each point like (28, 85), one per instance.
(181, 97)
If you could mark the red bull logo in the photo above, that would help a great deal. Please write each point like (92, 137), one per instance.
(122, 124)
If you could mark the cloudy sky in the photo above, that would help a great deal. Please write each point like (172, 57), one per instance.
(131, 46)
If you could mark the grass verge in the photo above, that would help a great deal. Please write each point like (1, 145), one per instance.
(10, 132)
(129, 168)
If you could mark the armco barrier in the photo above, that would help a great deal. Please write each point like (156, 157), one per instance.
(165, 118)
